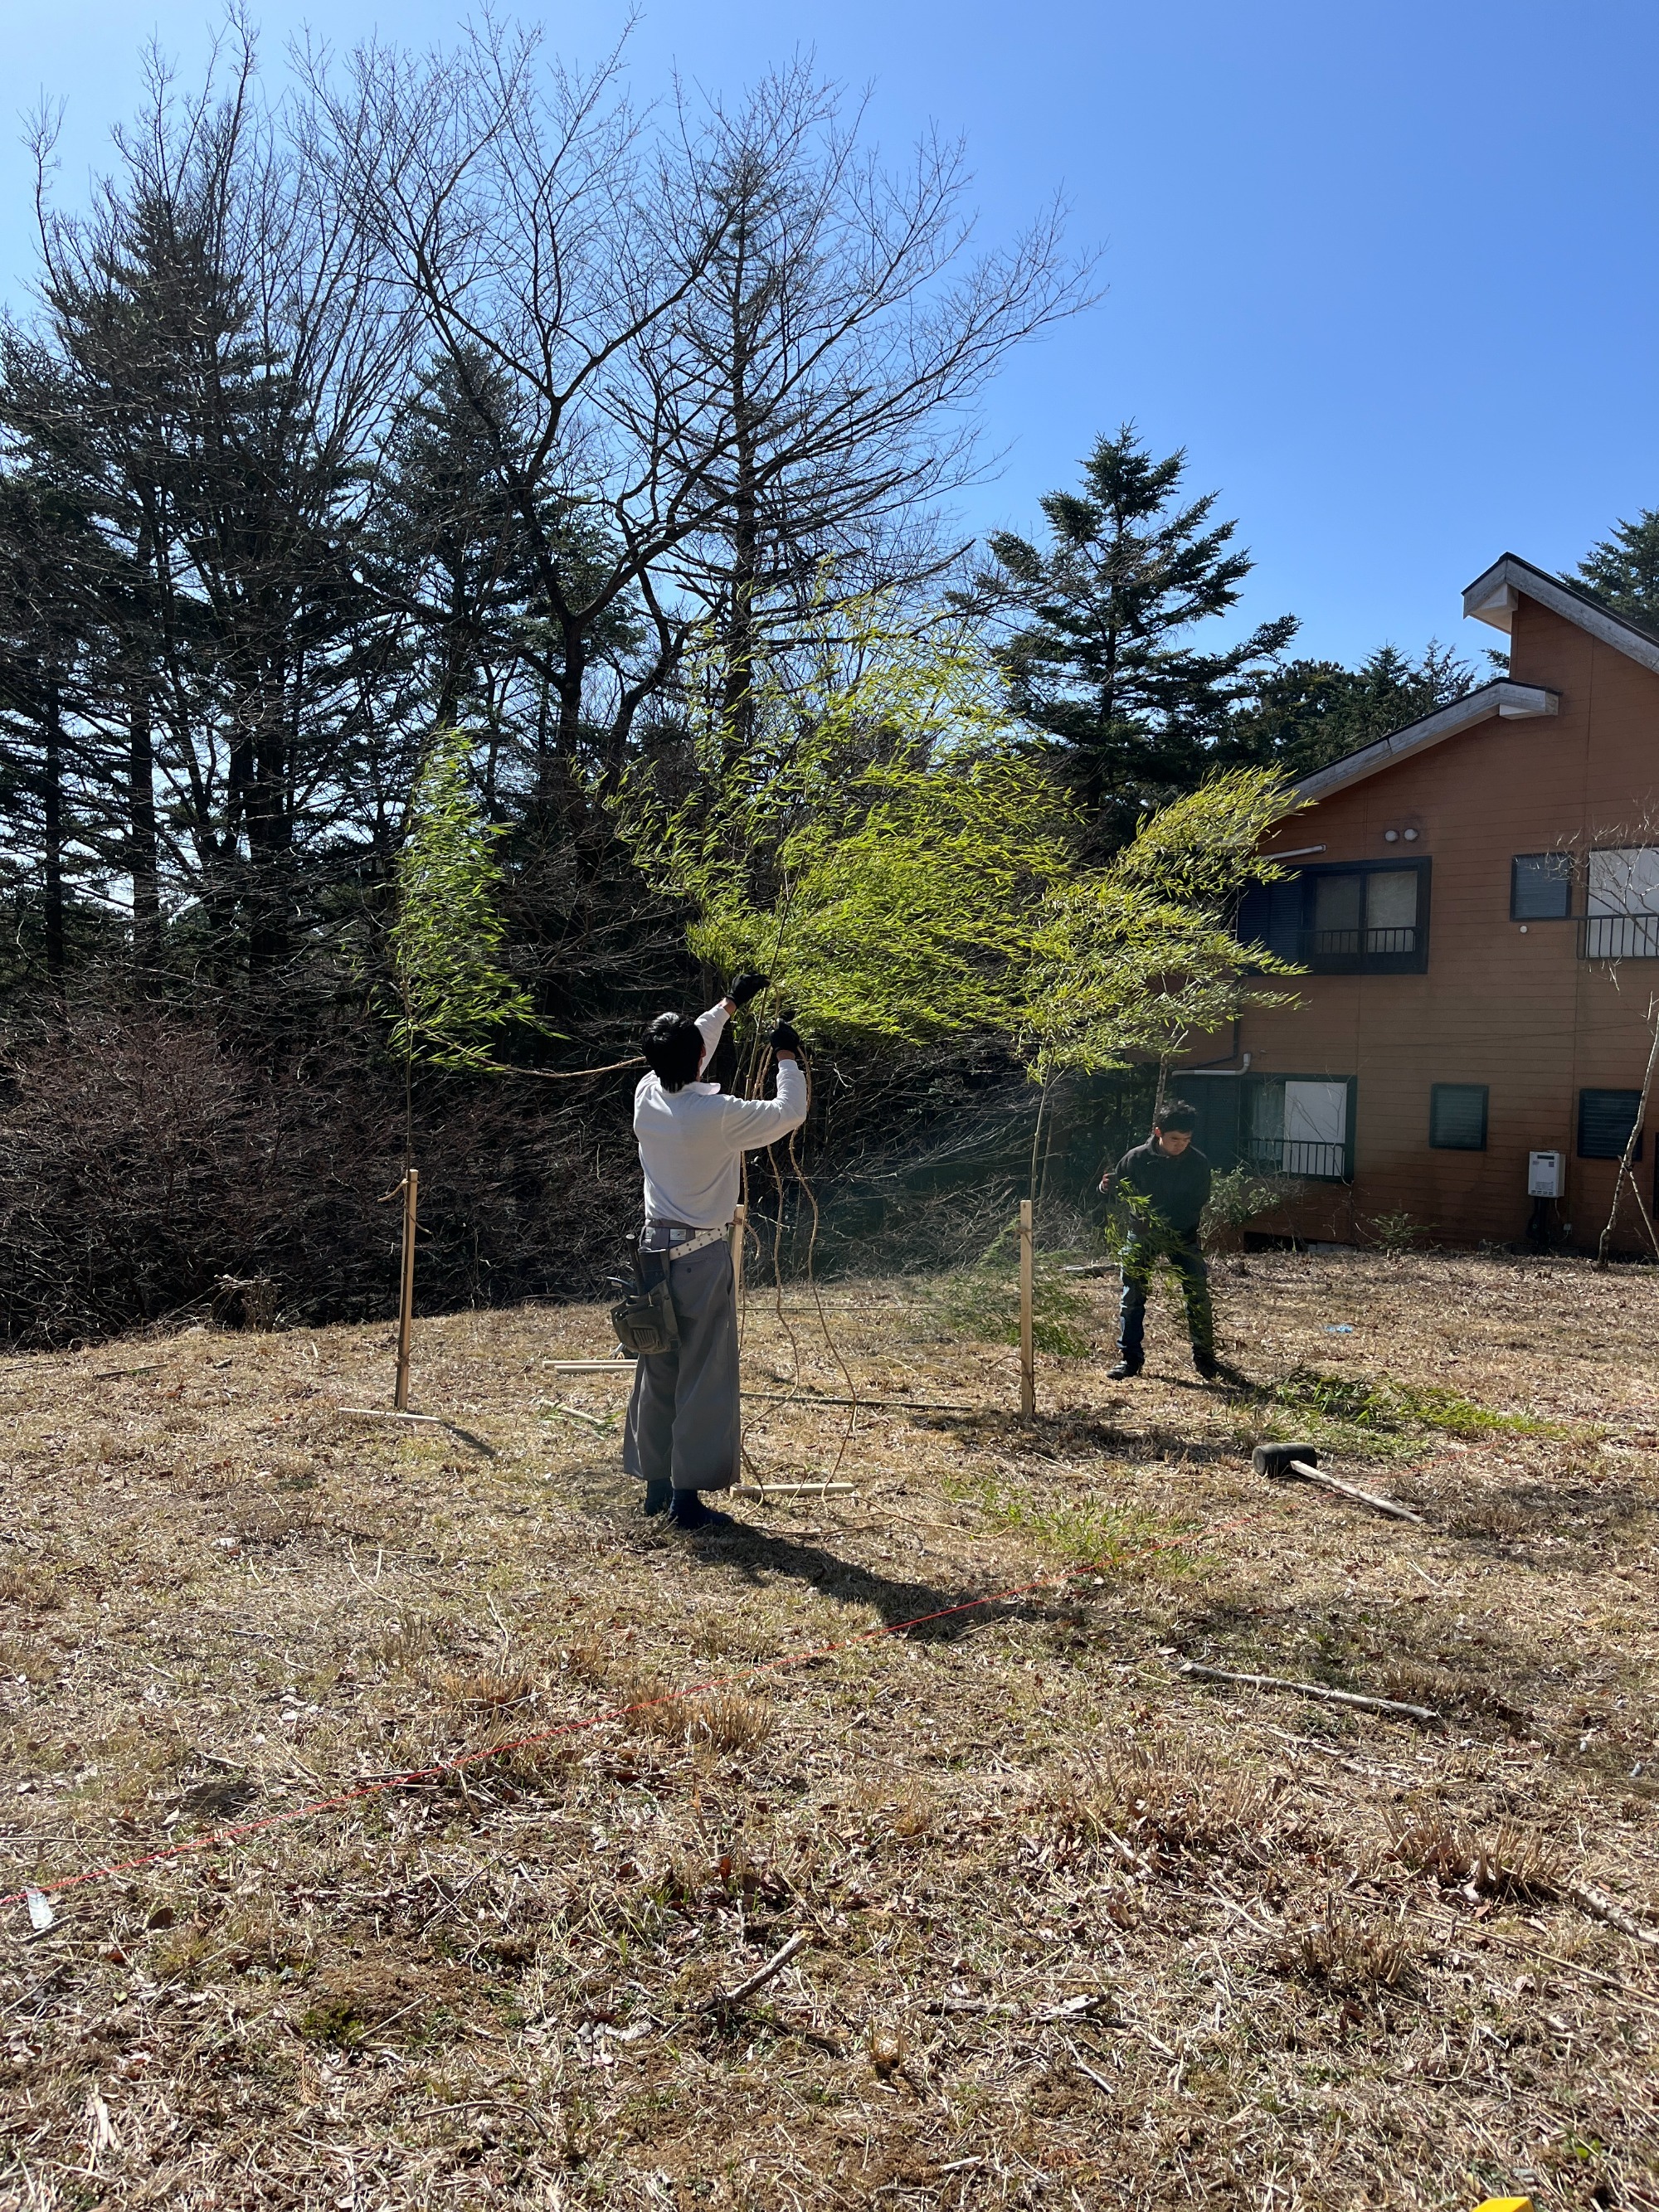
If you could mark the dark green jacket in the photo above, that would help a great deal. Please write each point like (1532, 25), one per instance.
(1174, 1191)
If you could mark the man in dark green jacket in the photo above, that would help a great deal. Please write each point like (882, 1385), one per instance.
(1163, 1187)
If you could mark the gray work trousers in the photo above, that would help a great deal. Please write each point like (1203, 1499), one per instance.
(683, 1416)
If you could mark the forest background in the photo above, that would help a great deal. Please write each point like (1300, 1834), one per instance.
(426, 395)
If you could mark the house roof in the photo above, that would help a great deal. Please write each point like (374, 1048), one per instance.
(1513, 701)
(1492, 598)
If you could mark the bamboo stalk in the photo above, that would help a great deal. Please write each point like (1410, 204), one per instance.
(1311, 1690)
(1027, 1293)
(406, 1304)
(1628, 1157)
(764, 1490)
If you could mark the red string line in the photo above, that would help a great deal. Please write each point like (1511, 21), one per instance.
(214, 1838)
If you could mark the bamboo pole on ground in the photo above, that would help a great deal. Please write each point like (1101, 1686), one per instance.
(1027, 1290)
(411, 1188)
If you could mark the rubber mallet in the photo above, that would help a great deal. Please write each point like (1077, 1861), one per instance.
(1300, 1463)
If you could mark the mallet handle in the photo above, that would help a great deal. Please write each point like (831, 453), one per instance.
(1362, 1497)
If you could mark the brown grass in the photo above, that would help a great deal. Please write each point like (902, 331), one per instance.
(1082, 1932)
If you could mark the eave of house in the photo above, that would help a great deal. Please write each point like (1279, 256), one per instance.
(1509, 700)
(1492, 598)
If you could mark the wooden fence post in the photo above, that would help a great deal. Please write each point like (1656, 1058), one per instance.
(739, 1223)
(406, 1304)
(1027, 1290)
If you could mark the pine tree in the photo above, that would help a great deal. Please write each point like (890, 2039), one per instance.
(1103, 664)
(1623, 570)
(1304, 714)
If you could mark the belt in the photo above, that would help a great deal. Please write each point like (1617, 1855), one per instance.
(677, 1241)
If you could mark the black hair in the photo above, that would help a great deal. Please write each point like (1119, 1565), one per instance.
(1175, 1114)
(673, 1046)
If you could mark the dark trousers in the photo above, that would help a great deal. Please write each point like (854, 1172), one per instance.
(683, 1416)
(1140, 1255)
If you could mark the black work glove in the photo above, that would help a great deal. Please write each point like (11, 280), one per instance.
(742, 988)
(786, 1037)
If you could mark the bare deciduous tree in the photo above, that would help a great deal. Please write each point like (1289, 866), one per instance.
(705, 352)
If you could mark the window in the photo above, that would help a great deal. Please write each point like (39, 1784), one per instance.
(1605, 1120)
(1300, 1126)
(1345, 921)
(1541, 886)
(1621, 904)
(1457, 1117)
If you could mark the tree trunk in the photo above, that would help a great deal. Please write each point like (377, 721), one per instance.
(142, 861)
(51, 810)
(738, 696)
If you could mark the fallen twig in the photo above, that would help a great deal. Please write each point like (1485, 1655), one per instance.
(427, 1420)
(1600, 1906)
(575, 1413)
(765, 1489)
(865, 1404)
(1313, 1690)
(1084, 2067)
(762, 1975)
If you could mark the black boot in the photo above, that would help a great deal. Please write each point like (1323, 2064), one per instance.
(658, 1497)
(1124, 1372)
(687, 1511)
(1206, 1363)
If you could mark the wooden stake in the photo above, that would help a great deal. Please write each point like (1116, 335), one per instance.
(406, 1306)
(1027, 1292)
(739, 1223)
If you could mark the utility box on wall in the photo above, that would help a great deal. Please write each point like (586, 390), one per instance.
(1546, 1174)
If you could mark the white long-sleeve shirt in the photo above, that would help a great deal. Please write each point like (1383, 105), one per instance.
(692, 1140)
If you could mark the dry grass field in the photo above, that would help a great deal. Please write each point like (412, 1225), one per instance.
(1070, 1927)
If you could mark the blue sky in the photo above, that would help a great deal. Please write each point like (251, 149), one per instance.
(1387, 271)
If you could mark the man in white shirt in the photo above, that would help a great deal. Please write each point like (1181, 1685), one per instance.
(682, 1437)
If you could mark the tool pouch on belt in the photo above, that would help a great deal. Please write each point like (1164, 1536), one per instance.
(644, 1321)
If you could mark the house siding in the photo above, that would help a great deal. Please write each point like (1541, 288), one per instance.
(1519, 1013)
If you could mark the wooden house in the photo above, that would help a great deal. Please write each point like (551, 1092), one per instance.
(1475, 900)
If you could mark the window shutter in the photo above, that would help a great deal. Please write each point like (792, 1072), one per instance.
(1457, 1117)
(1541, 886)
(1605, 1118)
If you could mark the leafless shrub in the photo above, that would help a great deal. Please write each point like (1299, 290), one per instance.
(274, 1521)
(1512, 1861)
(490, 1690)
(402, 1646)
(148, 1158)
(31, 1587)
(1345, 1951)
(1490, 1517)
(244, 1302)
(1172, 1800)
(731, 1720)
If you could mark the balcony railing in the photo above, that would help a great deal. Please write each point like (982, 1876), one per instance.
(1299, 1156)
(1619, 937)
(1352, 944)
